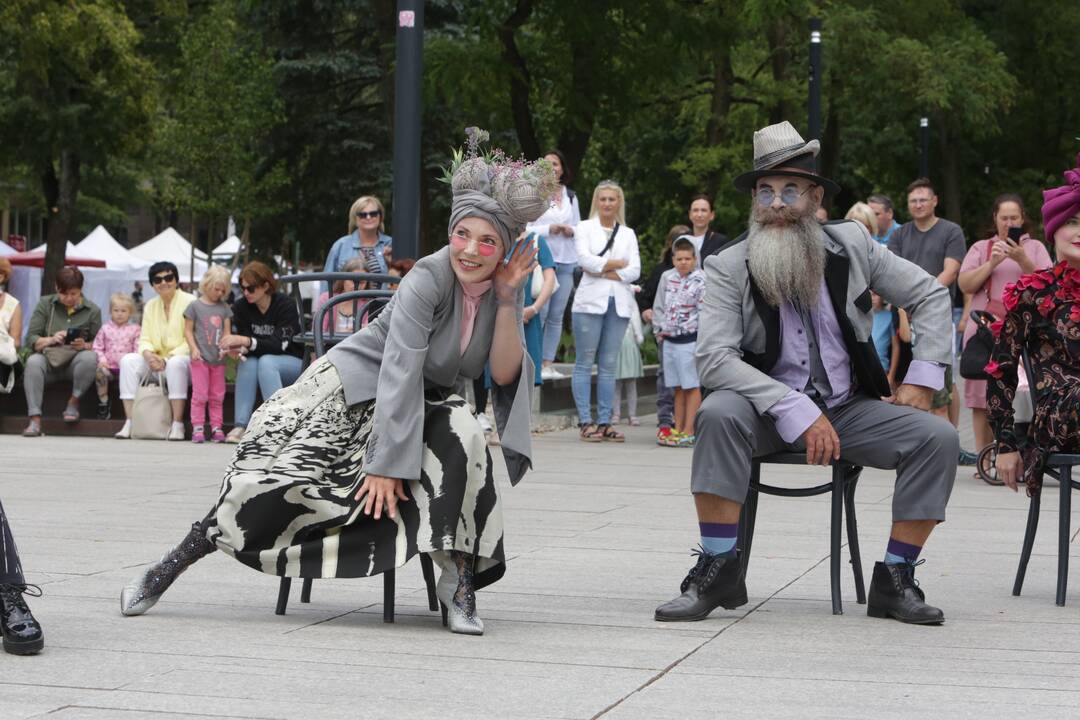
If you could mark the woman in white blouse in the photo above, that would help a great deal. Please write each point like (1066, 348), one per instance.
(608, 255)
(557, 225)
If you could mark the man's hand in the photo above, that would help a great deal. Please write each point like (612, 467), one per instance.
(915, 396)
(822, 442)
(1010, 468)
(379, 491)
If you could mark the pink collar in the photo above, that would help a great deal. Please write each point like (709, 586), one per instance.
(471, 293)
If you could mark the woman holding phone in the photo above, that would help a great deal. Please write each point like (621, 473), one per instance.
(988, 267)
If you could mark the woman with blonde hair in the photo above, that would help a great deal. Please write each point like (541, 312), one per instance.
(865, 214)
(367, 239)
(603, 303)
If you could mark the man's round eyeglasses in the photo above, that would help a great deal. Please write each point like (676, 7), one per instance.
(158, 279)
(789, 195)
(369, 214)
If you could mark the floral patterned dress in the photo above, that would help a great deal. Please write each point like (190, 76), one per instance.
(1044, 318)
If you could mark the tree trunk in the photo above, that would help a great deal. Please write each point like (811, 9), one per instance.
(60, 195)
(581, 104)
(723, 80)
(776, 34)
(520, 81)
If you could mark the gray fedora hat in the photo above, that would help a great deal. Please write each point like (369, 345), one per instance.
(780, 150)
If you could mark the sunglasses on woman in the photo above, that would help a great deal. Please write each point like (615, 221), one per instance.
(158, 279)
(485, 246)
(369, 214)
(247, 289)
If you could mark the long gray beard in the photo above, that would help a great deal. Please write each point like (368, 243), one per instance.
(787, 262)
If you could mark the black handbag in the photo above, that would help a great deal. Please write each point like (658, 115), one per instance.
(976, 353)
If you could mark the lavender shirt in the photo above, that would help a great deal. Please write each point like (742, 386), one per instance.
(795, 412)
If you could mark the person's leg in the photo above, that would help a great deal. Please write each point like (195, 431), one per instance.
(983, 434)
(34, 375)
(216, 396)
(680, 410)
(21, 631)
(555, 310)
(923, 450)
(200, 390)
(693, 403)
(132, 371)
(730, 433)
(102, 378)
(587, 330)
(611, 336)
(247, 382)
(616, 407)
(83, 369)
(665, 397)
(277, 371)
(631, 398)
(177, 377)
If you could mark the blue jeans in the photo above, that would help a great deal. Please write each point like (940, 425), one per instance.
(597, 338)
(552, 313)
(269, 373)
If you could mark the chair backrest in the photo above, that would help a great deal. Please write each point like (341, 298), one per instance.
(330, 278)
(379, 297)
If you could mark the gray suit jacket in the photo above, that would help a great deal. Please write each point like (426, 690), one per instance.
(739, 334)
(414, 345)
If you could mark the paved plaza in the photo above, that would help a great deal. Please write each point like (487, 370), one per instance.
(597, 536)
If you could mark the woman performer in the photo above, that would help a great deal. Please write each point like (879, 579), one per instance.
(376, 425)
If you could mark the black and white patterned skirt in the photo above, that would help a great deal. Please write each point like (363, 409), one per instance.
(286, 505)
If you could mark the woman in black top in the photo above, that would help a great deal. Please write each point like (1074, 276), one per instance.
(264, 324)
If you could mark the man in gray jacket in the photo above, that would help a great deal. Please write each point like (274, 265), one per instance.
(784, 347)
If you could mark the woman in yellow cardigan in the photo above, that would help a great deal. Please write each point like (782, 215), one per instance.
(162, 347)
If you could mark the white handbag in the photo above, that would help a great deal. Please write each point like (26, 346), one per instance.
(151, 414)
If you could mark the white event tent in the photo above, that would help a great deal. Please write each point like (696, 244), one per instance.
(230, 247)
(100, 245)
(170, 246)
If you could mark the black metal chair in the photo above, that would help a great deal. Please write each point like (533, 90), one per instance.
(315, 340)
(1058, 466)
(845, 475)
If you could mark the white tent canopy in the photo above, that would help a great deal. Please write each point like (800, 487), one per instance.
(100, 245)
(170, 246)
(229, 247)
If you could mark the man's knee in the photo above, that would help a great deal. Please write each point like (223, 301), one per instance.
(939, 435)
(721, 409)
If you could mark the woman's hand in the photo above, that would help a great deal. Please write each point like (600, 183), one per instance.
(560, 229)
(511, 275)
(57, 338)
(154, 361)
(998, 253)
(78, 344)
(1010, 468)
(381, 490)
(234, 342)
(529, 313)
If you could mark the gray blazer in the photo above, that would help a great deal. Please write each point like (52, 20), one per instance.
(414, 345)
(739, 335)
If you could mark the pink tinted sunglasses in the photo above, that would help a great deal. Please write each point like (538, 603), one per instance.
(460, 243)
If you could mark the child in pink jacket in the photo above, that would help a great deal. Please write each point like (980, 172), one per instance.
(114, 340)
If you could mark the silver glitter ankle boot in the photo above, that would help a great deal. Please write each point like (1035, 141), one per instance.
(458, 598)
(143, 592)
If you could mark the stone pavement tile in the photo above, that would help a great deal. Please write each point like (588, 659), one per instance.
(26, 700)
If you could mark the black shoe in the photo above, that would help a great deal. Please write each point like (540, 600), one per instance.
(22, 633)
(104, 410)
(967, 458)
(715, 581)
(894, 593)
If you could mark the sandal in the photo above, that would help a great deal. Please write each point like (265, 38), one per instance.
(589, 432)
(610, 434)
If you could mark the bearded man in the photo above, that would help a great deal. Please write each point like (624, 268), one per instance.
(784, 346)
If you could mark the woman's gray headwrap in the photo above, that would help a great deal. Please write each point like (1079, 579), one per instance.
(508, 196)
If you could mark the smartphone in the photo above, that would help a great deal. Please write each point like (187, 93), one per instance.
(1015, 234)
(72, 335)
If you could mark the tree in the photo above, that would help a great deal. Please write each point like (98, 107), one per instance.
(76, 93)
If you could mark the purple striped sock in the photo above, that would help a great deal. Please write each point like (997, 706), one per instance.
(897, 552)
(719, 538)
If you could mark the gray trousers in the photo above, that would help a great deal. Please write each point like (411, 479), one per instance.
(80, 372)
(921, 447)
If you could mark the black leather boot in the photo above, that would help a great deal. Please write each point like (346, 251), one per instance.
(22, 632)
(894, 593)
(715, 581)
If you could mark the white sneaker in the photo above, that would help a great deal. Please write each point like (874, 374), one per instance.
(485, 424)
(176, 432)
(550, 373)
(235, 435)
(124, 433)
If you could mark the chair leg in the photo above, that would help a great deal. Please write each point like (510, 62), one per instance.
(388, 596)
(1029, 543)
(834, 536)
(853, 536)
(747, 519)
(305, 591)
(1064, 521)
(283, 595)
(428, 569)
